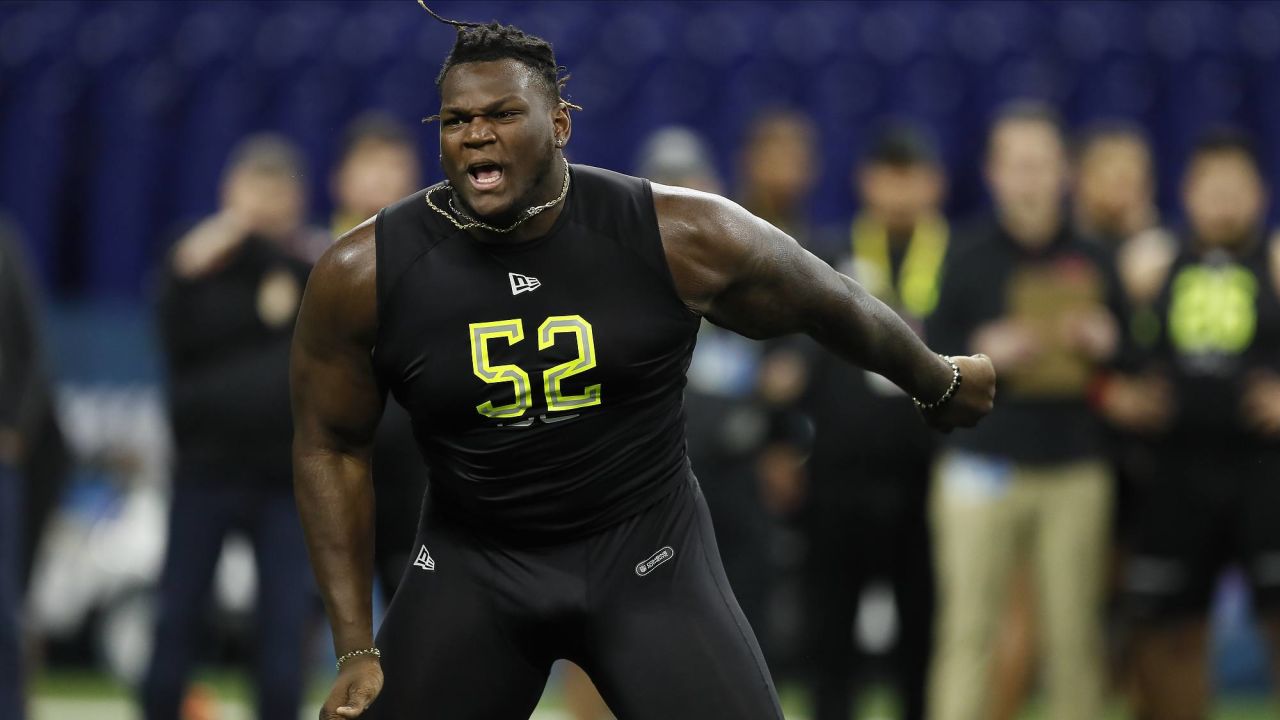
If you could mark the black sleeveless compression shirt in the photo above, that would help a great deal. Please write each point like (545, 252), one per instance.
(544, 378)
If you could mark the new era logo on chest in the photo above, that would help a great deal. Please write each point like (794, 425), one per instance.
(522, 283)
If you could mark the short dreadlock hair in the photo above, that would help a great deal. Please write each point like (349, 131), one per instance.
(482, 42)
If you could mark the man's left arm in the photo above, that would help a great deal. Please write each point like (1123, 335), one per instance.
(748, 276)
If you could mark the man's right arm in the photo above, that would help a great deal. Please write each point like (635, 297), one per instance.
(336, 408)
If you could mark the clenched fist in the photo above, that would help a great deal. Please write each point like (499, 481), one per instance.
(356, 686)
(973, 399)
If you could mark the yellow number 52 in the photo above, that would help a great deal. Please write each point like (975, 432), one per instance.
(513, 332)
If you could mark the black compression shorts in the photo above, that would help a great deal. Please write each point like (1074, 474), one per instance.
(643, 606)
(1202, 512)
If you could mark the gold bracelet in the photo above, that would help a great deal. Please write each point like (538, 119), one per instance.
(366, 651)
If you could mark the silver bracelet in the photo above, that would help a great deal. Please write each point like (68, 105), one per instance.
(951, 391)
(366, 651)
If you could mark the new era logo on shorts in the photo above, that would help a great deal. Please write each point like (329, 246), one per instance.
(425, 561)
(522, 283)
(656, 559)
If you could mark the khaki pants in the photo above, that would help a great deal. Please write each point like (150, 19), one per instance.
(986, 515)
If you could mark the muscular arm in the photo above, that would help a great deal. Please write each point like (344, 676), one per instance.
(748, 276)
(336, 407)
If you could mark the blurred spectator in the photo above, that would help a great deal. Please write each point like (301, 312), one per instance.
(226, 313)
(46, 463)
(1114, 206)
(865, 510)
(378, 165)
(1115, 187)
(678, 156)
(779, 164)
(1114, 184)
(1217, 500)
(1043, 306)
(22, 400)
(26, 397)
(769, 438)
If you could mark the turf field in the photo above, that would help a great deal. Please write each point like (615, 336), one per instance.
(76, 696)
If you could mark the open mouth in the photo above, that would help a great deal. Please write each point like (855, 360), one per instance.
(485, 175)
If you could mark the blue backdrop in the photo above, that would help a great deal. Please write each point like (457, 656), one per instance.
(115, 117)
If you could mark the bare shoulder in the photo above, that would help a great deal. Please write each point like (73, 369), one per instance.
(694, 216)
(709, 241)
(352, 258)
(343, 286)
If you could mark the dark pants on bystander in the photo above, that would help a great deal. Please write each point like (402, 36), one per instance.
(861, 530)
(202, 514)
(11, 676)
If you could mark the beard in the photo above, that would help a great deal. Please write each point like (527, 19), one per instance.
(524, 201)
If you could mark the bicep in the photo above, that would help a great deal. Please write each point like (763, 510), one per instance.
(741, 272)
(337, 401)
(784, 289)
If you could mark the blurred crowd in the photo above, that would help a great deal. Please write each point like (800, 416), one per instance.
(1072, 542)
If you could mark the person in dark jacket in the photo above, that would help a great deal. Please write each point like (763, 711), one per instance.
(230, 294)
(22, 403)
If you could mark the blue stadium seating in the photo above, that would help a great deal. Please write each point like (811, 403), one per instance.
(115, 118)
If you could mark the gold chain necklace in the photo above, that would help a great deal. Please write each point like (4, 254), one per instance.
(471, 222)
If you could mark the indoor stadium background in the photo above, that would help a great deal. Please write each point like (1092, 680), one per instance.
(116, 119)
